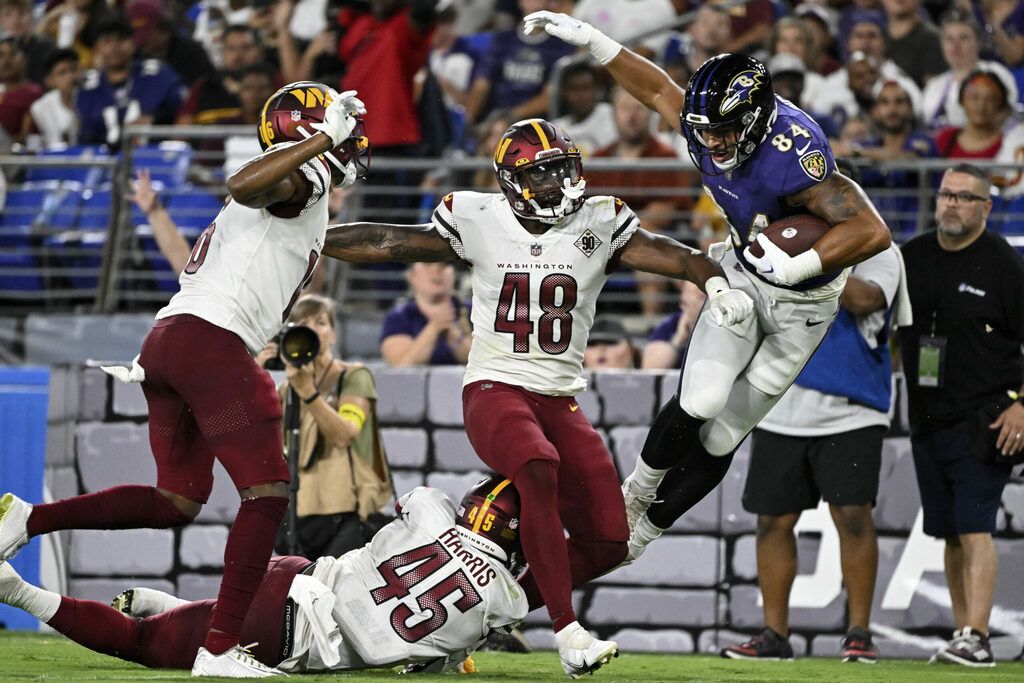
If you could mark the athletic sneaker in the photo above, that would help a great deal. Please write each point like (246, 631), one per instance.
(145, 602)
(637, 501)
(237, 662)
(857, 647)
(10, 584)
(640, 536)
(766, 645)
(582, 653)
(14, 514)
(967, 648)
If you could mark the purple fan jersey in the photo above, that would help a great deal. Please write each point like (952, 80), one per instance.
(152, 89)
(794, 156)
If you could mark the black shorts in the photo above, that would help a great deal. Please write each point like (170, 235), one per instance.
(789, 474)
(959, 494)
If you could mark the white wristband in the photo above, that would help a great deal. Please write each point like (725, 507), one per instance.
(715, 284)
(602, 47)
(806, 265)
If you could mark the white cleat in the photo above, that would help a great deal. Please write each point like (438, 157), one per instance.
(637, 501)
(640, 537)
(10, 584)
(145, 602)
(14, 513)
(581, 653)
(237, 662)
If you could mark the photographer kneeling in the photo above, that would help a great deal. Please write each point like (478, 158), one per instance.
(344, 479)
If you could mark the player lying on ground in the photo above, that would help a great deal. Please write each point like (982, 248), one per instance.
(363, 609)
(761, 159)
(541, 252)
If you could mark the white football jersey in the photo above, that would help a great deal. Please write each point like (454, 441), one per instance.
(248, 268)
(534, 296)
(413, 594)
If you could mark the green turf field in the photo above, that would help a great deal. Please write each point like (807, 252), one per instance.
(52, 658)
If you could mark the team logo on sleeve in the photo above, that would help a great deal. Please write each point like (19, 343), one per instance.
(741, 89)
(588, 243)
(814, 164)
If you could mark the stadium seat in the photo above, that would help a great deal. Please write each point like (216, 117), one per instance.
(167, 162)
(87, 176)
(192, 208)
(452, 450)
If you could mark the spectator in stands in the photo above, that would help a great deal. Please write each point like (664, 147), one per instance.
(821, 21)
(515, 70)
(791, 80)
(74, 24)
(16, 21)
(609, 346)
(986, 102)
(213, 100)
(963, 367)
(124, 90)
(823, 441)
(432, 326)
(588, 120)
(864, 60)
(791, 36)
(169, 240)
(53, 117)
(17, 93)
(1004, 25)
(961, 47)
(488, 134)
(1012, 180)
(156, 37)
(707, 35)
(450, 65)
(667, 342)
(895, 115)
(913, 40)
(657, 197)
(344, 478)
(749, 24)
(625, 20)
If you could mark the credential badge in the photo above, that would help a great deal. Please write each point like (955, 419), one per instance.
(814, 164)
(588, 243)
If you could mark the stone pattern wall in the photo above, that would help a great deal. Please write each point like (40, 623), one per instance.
(694, 590)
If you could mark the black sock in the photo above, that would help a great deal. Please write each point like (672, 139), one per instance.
(673, 434)
(687, 483)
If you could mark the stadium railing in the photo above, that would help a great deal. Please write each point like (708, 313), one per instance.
(71, 239)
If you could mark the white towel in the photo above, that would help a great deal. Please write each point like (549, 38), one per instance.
(136, 373)
(902, 314)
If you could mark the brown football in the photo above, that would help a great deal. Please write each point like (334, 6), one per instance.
(793, 234)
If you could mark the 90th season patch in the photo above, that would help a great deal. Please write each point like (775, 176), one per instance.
(588, 242)
(814, 164)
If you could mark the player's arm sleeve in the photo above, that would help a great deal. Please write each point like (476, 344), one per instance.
(428, 509)
(626, 223)
(444, 221)
(806, 163)
(882, 270)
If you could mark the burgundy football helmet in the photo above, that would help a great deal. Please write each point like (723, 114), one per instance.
(488, 517)
(540, 171)
(287, 115)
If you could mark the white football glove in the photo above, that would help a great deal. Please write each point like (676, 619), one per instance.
(339, 117)
(574, 32)
(728, 306)
(779, 267)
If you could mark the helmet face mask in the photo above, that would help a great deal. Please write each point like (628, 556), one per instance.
(488, 518)
(540, 171)
(728, 110)
(288, 115)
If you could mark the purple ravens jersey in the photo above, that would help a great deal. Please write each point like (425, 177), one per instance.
(794, 156)
(153, 89)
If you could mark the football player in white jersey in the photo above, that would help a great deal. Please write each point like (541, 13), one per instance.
(761, 159)
(540, 253)
(207, 397)
(364, 609)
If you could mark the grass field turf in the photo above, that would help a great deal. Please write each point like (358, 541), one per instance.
(26, 657)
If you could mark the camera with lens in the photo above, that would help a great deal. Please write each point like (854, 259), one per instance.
(297, 345)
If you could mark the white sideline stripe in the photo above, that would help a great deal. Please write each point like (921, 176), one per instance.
(1006, 620)
(902, 637)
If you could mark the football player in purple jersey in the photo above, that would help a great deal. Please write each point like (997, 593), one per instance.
(761, 159)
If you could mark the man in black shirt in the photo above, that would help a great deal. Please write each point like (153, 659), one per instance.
(962, 359)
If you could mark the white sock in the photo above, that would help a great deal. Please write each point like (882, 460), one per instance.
(42, 604)
(645, 477)
(645, 530)
(562, 637)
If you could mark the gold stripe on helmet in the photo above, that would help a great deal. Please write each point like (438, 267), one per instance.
(487, 503)
(540, 132)
(499, 153)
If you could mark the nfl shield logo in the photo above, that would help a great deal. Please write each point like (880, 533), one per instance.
(534, 250)
(296, 115)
